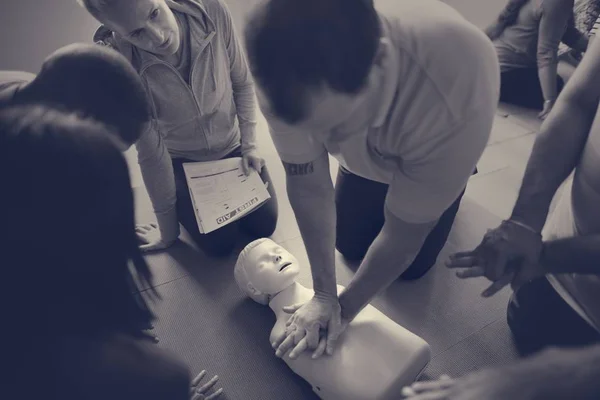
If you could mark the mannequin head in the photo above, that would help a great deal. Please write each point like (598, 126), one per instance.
(264, 269)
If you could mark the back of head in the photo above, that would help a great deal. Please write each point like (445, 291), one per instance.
(298, 45)
(93, 81)
(68, 218)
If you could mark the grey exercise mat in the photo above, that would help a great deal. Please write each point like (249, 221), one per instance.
(205, 319)
(490, 347)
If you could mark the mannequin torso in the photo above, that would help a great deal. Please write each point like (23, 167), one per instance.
(374, 358)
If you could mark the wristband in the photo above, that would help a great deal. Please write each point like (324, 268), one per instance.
(525, 226)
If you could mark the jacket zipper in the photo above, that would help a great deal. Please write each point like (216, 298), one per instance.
(192, 66)
(189, 86)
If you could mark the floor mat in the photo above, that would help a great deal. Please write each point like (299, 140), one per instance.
(206, 320)
(490, 347)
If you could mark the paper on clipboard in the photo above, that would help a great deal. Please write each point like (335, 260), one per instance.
(221, 193)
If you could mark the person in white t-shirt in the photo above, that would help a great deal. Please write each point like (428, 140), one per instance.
(552, 261)
(403, 95)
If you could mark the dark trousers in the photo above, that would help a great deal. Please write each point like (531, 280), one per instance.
(521, 87)
(360, 217)
(538, 318)
(220, 243)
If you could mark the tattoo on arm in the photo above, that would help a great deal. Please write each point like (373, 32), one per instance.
(298, 169)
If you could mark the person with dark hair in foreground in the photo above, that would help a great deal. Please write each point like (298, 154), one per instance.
(551, 259)
(527, 34)
(404, 96)
(89, 80)
(70, 310)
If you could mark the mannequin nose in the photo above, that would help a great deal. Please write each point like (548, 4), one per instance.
(277, 258)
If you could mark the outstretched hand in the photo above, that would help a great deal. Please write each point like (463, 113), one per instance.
(486, 384)
(535, 378)
(315, 325)
(507, 255)
(198, 392)
(150, 238)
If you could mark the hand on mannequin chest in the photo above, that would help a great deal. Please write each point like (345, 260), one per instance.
(374, 358)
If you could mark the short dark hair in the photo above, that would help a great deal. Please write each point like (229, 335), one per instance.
(297, 45)
(68, 214)
(96, 82)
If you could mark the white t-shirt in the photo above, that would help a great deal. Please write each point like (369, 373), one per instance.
(439, 100)
(578, 213)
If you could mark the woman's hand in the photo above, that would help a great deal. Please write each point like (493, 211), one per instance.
(150, 238)
(200, 393)
(548, 104)
(251, 159)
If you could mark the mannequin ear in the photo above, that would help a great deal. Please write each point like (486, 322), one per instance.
(253, 290)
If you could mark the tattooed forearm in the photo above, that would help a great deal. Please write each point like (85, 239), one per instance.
(298, 169)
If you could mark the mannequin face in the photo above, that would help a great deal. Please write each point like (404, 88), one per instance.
(271, 268)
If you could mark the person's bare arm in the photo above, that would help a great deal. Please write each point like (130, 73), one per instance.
(312, 197)
(553, 374)
(555, 15)
(391, 253)
(558, 147)
(576, 373)
(576, 255)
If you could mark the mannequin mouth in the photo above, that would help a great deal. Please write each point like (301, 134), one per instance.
(284, 266)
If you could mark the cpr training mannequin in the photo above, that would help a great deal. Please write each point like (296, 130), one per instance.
(374, 357)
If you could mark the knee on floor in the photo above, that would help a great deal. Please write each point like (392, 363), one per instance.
(350, 252)
(265, 228)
